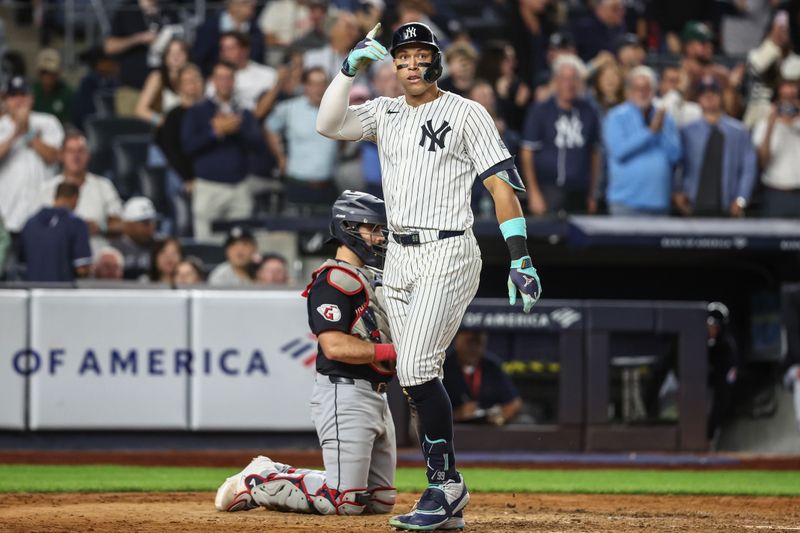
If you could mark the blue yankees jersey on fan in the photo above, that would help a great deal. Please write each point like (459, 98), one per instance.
(430, 156)
(563, 141)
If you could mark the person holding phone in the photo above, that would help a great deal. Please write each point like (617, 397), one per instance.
(777, 139)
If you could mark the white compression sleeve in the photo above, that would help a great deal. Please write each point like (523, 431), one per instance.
(334, 119)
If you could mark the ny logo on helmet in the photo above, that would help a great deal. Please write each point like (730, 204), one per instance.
(410, 32)
(436, 137)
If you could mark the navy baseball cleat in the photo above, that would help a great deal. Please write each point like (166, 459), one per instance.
(439, 507)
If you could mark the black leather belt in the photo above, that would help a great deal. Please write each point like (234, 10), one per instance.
(411, 239)
(378, 386)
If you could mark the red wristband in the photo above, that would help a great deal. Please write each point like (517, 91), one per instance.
(385, 352)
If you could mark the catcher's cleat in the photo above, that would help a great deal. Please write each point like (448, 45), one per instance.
(439, 507)
(234, 493)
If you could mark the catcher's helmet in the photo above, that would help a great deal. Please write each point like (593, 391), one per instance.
(419, 33)
(352, 209)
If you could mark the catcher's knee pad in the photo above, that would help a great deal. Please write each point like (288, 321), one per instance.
(348, 502)
(381, 500)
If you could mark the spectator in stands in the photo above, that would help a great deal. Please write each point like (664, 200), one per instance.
(134, 29)
(164, 259)
(240, 247)
(308, 179)
(767, 63)
(673, 87)
(559, 156)
(697, 63)
(498, 66)
(671, 17)
(219, 137)
(342, 36)
(777, 139)
(272, 270)
(537, 19)
(160, 93)
(29, 144)
(560, 44)
(99, 204)
(483, 93)
(108, 264)
(168, 136)
(51, 94)
(368, 13)
(475, 381)
(314, 36)
(608, 88)
(281, 22)
(600, 30)
(253, 80)
(461, 60)
(719, 161)
(642, 145)
(189, 272)
(138, 235)
(630, 52)
(54, 242)
(100, 83)
(743, 25)
(238, 16)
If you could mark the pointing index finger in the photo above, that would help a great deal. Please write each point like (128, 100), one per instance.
(374, 30)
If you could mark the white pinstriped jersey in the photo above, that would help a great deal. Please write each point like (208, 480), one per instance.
(430, 157)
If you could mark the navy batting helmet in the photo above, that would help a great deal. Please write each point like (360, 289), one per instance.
(419, 33)
(352, 209)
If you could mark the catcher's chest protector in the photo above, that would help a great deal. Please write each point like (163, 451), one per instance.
(371, 322)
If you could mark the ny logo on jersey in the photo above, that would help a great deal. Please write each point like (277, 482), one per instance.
(410, 32)
(569, 132)
(436, 137)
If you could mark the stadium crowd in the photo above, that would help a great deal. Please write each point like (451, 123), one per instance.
(630, 108)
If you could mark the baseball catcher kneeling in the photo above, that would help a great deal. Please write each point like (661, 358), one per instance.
(355, 361)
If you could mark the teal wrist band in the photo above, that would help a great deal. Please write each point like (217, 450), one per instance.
(514, 228)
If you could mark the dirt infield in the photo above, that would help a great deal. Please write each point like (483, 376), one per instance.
(185, 512)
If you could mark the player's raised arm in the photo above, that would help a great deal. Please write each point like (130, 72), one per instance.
(335, 119)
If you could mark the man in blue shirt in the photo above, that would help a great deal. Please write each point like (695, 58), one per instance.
(719, 162)
(559, 156)
(642, 145)
(476, 383)
(55, 242)
(220, 137)
(308, 159)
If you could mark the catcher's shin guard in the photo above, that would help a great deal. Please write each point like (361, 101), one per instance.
(305, 493)
(381, 500)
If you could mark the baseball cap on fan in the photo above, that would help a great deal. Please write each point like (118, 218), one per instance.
(48, 60)
(14, 86)
(696, 31)
(139, 209)
(239, 233)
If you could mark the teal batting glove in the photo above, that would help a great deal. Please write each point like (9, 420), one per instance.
(368, 49)
(523, 278)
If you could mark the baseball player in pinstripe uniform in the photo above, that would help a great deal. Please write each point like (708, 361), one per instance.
(432, 146)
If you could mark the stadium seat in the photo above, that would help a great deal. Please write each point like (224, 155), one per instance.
(130, 154)
(152, 184)
(104, 103)
(209, 253)
(101, 132)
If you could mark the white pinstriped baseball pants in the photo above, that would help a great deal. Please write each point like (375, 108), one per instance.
(427, 289)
